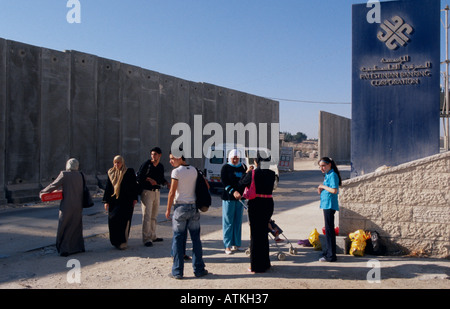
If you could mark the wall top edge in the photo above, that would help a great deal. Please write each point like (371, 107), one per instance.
(75, 52)
(397, 168)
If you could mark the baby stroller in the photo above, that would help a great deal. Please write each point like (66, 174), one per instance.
(274, 231)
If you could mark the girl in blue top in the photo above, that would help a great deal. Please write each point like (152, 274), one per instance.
(329, 191)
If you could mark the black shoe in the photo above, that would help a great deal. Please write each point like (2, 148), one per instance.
(203, 273)
(158, 240)
(148, 244)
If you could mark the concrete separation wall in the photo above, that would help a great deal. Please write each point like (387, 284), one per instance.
(335, 137)
(57, 105)
(2, 119)
(409, 205)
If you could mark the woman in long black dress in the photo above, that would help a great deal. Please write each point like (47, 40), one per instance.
(260, 211)
(120, 196)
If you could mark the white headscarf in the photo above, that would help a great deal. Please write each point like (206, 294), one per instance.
(234, 153)
(72, 165)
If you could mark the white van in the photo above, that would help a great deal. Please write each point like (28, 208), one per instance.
(218, 156)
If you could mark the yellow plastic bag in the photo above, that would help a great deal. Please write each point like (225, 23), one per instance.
(314, 240)
(358, 239)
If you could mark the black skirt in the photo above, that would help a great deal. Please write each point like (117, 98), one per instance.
(260, 211)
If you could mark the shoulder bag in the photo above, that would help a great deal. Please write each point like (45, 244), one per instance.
(87, 199)
(250, 192)
(202, 195)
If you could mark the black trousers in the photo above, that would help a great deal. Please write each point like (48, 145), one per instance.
(330, 235)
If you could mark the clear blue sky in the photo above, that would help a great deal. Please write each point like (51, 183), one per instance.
(288, 49)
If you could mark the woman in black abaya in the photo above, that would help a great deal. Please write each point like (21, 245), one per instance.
(260, 211)
(120, 196)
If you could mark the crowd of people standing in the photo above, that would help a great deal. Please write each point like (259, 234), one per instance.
(124, 186)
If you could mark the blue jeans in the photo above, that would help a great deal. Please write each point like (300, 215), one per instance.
(232, 212)
(186, 217)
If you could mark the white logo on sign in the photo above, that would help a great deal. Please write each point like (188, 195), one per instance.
(395, 34)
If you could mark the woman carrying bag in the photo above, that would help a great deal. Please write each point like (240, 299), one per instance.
(69, 237)
(260, 210)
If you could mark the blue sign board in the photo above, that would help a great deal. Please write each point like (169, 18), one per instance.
(395, 83)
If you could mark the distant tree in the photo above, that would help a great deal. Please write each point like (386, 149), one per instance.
(300, 137)
(297, 138)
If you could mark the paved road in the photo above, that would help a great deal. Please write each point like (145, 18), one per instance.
(29, 227)
(33, 227)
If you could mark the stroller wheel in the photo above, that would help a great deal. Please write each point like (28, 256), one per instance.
(293, 251)
(247, 252)
(281, 256)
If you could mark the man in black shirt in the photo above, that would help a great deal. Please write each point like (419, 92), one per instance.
(151, 178)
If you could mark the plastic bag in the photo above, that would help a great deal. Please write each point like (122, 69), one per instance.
(304, 243)
(358, 239)
(375, 244)
(336, 230)
(314, 240)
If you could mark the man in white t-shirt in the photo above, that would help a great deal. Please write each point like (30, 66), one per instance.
(185, 217)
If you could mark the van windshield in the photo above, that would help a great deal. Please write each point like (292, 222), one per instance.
(216, 157)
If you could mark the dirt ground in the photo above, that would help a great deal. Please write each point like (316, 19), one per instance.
(139, 267)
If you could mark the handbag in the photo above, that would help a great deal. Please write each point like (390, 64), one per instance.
(250, 192)
(87, 199)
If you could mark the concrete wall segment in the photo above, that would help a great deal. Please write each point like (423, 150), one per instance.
(109, 113)
(23, 122)
(91, 108)
(130, 100)
(3, 51)
(335, 137)
(167, 98)
(83, 105)
(150, 113)
(55, 113)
